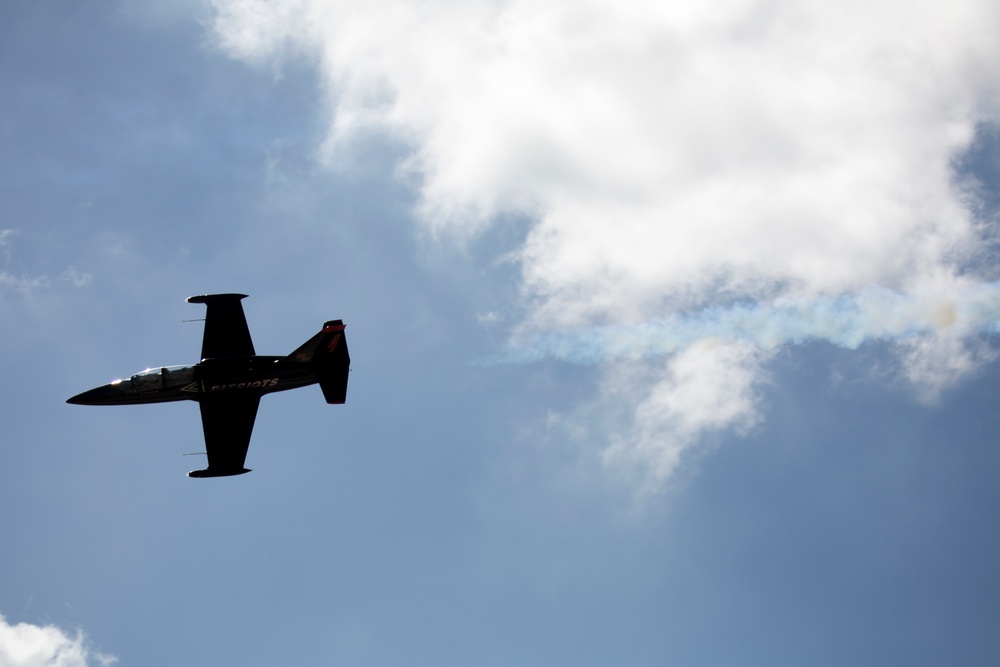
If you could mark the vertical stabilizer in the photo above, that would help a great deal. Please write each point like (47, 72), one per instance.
(328, 349)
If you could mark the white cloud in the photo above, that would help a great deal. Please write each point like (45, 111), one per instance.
(676, 157)
(26, 645)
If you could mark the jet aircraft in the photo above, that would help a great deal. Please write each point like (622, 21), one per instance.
(230, 379)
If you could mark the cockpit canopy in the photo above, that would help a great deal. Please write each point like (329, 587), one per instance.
(153, 379)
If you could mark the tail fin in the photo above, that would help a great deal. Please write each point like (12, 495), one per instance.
(328, 349)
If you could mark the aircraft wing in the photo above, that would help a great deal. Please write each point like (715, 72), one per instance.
(228, 424)
(226, 331)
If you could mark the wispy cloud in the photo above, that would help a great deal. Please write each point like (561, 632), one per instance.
(75, 278)
(5, 238)
(25, 283)
(731, 175)
(27, 645)
(674, 404)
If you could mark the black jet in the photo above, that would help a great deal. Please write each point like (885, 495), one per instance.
(230, 379)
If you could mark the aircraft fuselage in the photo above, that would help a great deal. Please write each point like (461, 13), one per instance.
(232, 376)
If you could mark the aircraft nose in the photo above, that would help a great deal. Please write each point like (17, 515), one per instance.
(97, 396)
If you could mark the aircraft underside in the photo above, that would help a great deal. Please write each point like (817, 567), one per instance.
(231, 378)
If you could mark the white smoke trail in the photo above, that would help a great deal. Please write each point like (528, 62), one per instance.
(848, 321)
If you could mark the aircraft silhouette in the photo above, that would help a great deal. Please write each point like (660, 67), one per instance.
(230, 379)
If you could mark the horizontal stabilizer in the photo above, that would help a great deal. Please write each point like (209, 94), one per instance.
(218, 472)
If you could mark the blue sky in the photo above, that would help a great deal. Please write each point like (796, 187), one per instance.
(673, 332)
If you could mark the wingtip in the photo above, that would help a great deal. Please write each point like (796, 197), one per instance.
(208, 472)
